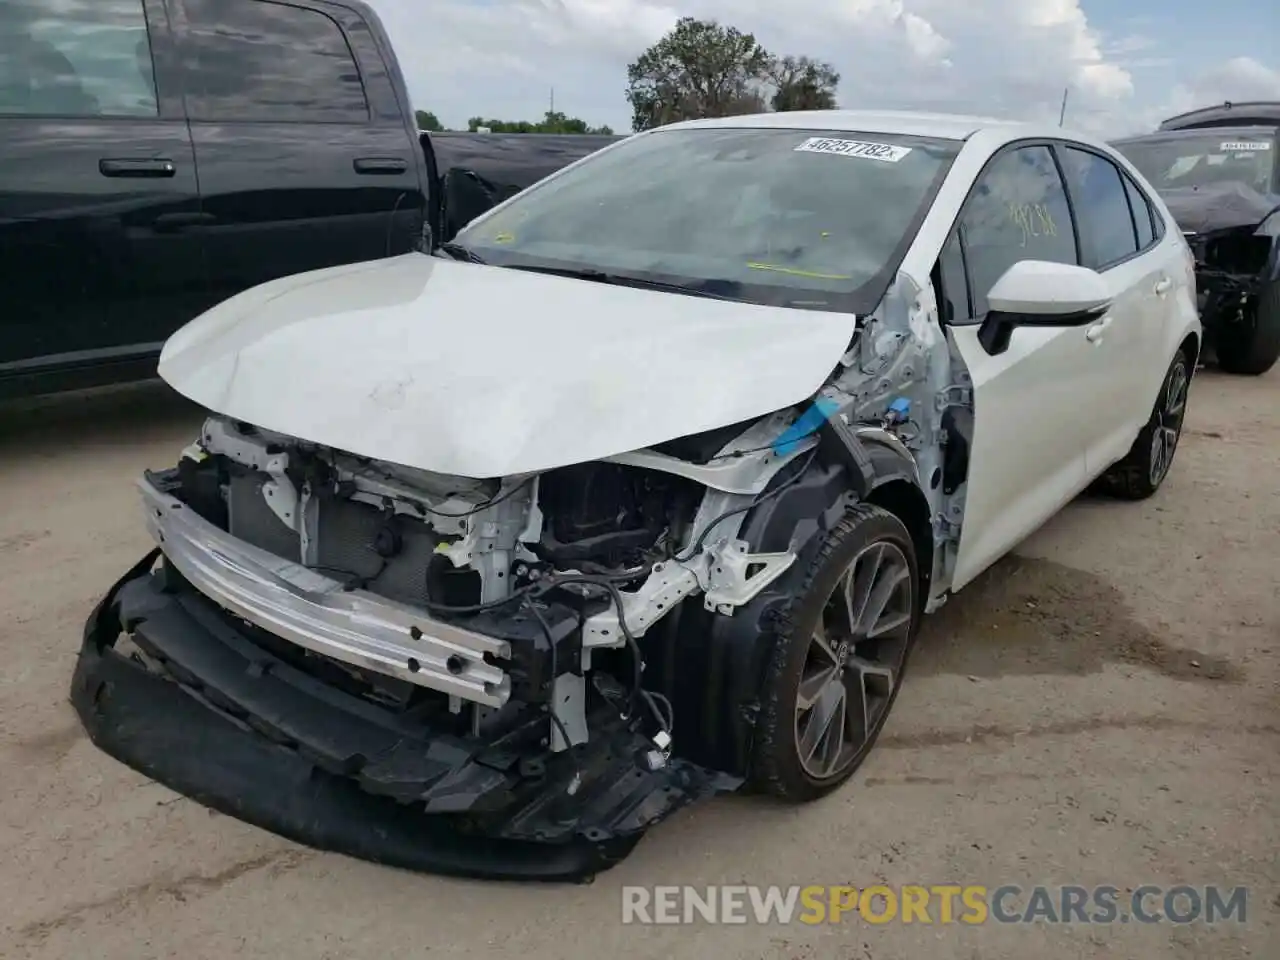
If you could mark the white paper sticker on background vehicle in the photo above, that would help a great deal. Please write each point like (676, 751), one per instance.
(885, 152)
(1245, 146)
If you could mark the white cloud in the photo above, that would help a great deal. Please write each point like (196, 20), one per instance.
(1013, 58)
(1238, 79)
(1241, 78)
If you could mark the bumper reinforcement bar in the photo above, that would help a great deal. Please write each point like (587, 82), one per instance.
(316, 612)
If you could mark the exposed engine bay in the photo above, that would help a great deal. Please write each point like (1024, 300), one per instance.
(595, 553)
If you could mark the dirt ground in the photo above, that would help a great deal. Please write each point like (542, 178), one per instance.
(1103, 708)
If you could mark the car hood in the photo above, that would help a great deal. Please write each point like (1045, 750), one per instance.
(1219, 206)
(482, 371)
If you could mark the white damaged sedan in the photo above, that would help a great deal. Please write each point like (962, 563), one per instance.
(486, 560)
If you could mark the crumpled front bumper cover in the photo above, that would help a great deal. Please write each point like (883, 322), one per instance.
(220, 719)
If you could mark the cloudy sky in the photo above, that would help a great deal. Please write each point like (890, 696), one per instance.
(1127, 62)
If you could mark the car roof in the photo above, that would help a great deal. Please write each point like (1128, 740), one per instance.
(943, 126)
(1198, 133)
(1248, 112)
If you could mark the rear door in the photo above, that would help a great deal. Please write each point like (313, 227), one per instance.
(97, 186)
(1129, 336)
(304, 156)
(1032, 421)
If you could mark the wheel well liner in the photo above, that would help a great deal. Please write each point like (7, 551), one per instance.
(907, 502)
(712, 666)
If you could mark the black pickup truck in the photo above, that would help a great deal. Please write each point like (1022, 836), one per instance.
(158, 156)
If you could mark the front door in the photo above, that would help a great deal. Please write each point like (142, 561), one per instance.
(1031, 423)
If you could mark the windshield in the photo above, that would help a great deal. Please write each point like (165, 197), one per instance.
(800, 218)
(1201, 161)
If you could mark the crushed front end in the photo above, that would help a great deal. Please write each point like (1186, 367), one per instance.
(1232, 265)
(436, 672)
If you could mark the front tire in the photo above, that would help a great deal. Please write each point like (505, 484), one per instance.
(842, 647)
(1252, 346)
(1142, 471)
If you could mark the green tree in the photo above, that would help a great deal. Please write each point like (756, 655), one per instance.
(699, 69)
(704, 69)
(803, 84)
(428, 121)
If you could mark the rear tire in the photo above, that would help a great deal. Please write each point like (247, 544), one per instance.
(1142, 471)
(837, 657)
(1252, 347)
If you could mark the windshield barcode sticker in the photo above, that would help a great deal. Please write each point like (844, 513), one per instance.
(885, 152)
(1245, 146)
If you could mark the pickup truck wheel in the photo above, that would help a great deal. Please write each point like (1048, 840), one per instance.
(1144, 468)
(1253, 346)
(842, 646)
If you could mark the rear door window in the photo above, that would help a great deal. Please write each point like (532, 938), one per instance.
(1107, 233)
(261, 61)
(75, 58)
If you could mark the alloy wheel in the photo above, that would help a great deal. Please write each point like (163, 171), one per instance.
(854, 660)
(1167, 423)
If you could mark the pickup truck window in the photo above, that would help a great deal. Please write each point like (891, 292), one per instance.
(269, 62)
(78, 58)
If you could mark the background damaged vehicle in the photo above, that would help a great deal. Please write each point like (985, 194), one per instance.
(487, 560)
(1216, 170)
(480, 170)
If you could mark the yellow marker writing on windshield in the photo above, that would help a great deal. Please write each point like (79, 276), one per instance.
(797, 272)
(504, 238)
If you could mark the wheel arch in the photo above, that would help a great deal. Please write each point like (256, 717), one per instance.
(1190, 346)
(906, 501)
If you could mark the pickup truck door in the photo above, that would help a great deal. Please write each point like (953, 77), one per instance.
(305, 156)
(97, 188)
(1031, 426)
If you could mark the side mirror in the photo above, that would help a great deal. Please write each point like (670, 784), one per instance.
(1038, 293)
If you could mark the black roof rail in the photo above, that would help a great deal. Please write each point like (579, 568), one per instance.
(1227, 114)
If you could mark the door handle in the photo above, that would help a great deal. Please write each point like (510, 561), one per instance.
(1162, 286)
(172, 222)
(127, 167)
(1094, 333)
(380, 166)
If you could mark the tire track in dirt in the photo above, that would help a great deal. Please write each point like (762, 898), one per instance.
(174, 888)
